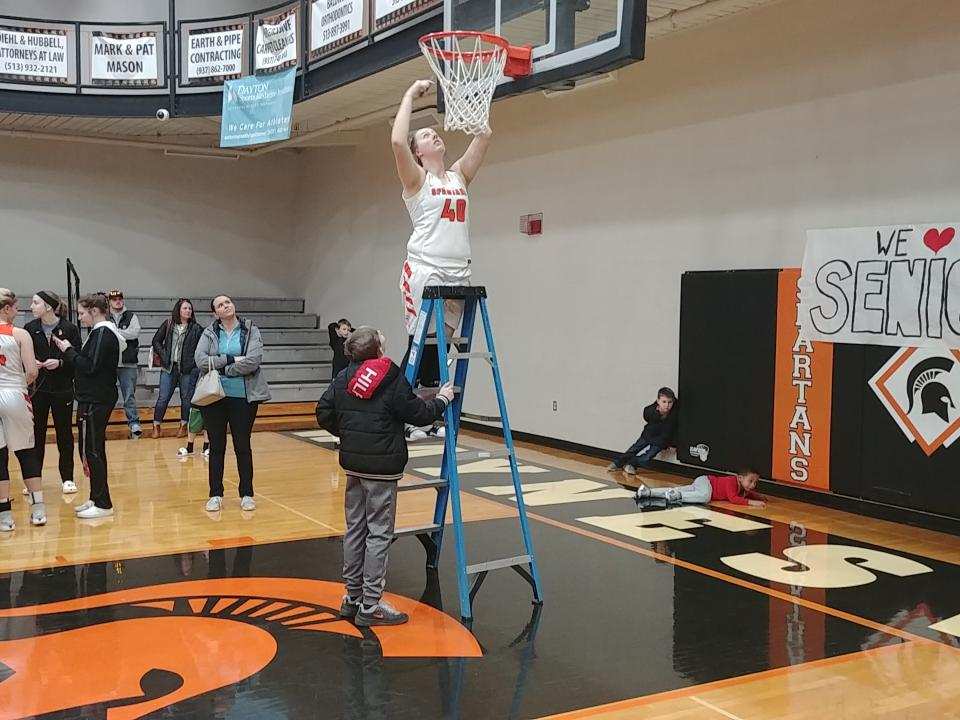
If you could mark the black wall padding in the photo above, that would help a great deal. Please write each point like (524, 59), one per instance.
(870, 457)
(728, 337)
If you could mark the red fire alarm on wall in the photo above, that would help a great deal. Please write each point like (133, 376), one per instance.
(531, 224)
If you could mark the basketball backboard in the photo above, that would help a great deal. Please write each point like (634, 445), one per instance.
(571, 39)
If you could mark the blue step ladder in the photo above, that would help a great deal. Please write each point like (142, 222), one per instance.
(448, 484)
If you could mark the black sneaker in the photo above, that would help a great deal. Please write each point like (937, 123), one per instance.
(349, 607)
(381, 614)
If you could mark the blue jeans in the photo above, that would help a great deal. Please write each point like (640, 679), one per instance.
(127, 379)
(639, 454)
(170, 381)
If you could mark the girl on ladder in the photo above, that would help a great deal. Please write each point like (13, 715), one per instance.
(438, 251)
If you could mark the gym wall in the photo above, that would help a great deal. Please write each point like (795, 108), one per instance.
(150, 224)
(718, 151)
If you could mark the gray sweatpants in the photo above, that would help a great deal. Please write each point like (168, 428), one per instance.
(370, 507)
(699, 491)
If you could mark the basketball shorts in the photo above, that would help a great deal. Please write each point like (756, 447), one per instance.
(414, 277)
(16, 420)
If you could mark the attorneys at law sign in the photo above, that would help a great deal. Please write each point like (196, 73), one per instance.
(886, 285)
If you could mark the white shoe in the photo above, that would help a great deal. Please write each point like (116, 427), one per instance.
(206, 454)
(93, 512)
(69, 487)
(416, 434)
(83, 506)
(38, 514)
(214, 504)
(6, 521)
(182, 453)
(439, 431)
(247, 503)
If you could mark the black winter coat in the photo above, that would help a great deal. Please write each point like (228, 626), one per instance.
(162, 345)
(660, 431)
(95, 367)
(340, 361)
(371, 431)
(59, 381)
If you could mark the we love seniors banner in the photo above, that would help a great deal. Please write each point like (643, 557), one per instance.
(890, 285)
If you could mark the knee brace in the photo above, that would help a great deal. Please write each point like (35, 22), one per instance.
(4, 470)
(29, 465)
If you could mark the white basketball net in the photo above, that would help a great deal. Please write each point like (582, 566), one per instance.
(468, 67)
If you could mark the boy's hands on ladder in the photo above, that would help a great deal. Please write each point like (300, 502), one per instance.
(446, 392)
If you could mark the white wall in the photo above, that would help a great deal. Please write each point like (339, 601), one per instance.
(150, 224)
(718, 151)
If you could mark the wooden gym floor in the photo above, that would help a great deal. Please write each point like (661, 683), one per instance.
(790, 611)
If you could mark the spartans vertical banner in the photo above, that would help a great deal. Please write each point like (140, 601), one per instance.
(257, 109)
(803, 388)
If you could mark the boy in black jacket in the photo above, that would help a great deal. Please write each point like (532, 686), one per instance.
(660, 432)
(339, 332)
(366, 407)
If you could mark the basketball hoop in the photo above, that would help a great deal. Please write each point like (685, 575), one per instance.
(468, 65)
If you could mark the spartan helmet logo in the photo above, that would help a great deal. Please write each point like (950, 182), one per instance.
(934, 395)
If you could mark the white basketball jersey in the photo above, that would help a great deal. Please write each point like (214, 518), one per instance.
(11, 366)
(441, 225)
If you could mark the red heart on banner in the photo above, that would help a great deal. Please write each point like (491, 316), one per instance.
(936, 240)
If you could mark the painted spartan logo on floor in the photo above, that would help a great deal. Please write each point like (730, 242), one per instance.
(920, 388)
(129, 653)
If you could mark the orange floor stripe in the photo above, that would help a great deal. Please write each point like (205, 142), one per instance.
(718, 684)
(230, 542)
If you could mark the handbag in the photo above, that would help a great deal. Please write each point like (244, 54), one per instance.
(209, 389)
(195, 423)
(155, 360)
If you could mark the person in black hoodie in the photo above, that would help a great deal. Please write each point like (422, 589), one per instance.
(175, 343)
(95, 382)
(660, 432)
(339, 332)
(366, 407)
(52, 392)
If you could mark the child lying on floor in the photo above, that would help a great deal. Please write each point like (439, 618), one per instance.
(737, 489)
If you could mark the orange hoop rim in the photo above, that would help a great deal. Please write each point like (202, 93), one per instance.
(428, 46)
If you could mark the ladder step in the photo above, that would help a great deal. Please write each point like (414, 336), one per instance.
(497, 564)
(494, 454)
(453, 292)
(481, 418)
(456, 340)
(424, 529)
(421, 484)
(454, 355)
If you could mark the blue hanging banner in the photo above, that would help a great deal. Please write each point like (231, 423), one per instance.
(257, 109)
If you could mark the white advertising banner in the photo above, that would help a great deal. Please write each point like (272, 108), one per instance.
(332, 20)
(214, 54)
(276, 43)
(40, 55)
(123, 58)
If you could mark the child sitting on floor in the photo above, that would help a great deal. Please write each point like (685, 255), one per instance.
(737, 489)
